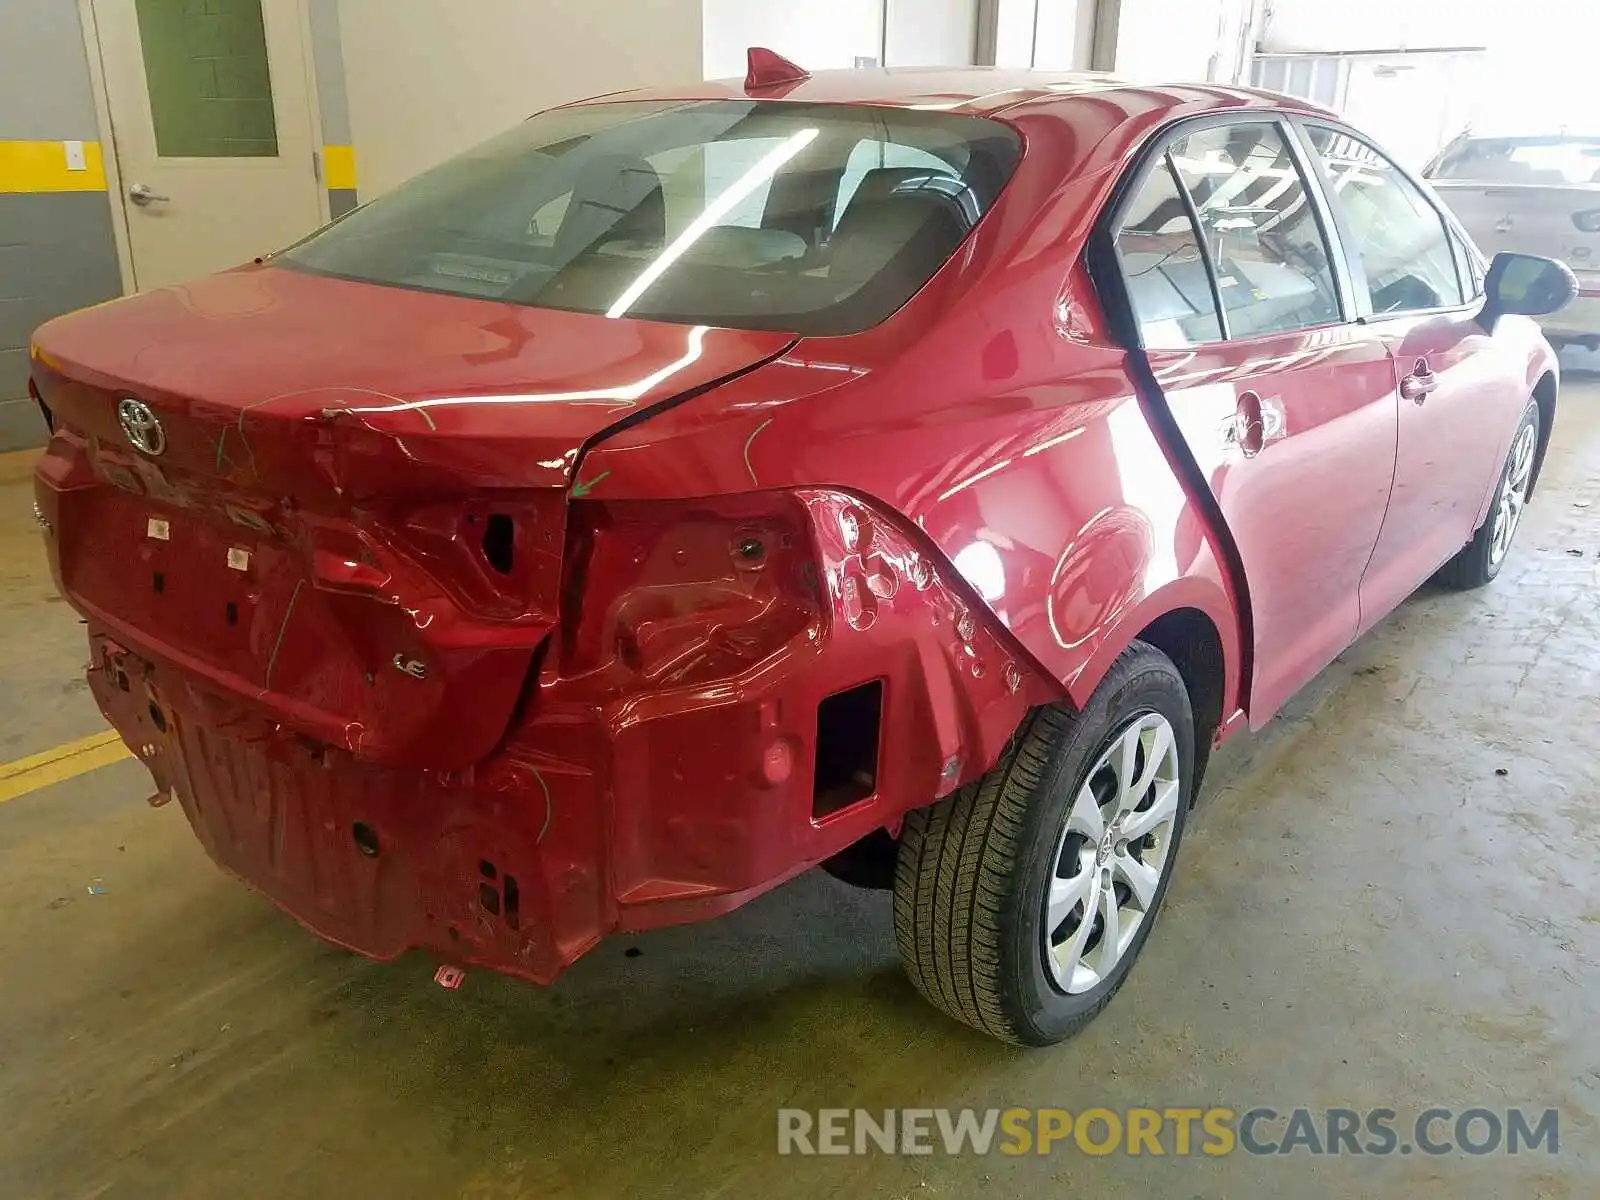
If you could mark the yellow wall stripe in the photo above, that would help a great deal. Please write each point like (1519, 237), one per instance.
(339, 166)
(42, 167)
(60, 764)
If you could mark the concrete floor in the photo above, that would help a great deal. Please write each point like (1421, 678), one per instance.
(1366, 914)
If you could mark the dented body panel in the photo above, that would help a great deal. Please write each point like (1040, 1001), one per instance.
(615, 801)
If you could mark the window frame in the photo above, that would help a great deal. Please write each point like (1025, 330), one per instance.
(1455, 237)
(1104, 265)
(1472, 261)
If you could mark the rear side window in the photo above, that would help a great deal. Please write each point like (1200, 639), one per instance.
(813, 219)
(1163, 267)
(1398, 235)
(1274, 271)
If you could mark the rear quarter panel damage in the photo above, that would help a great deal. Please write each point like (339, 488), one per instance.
(1046, 498)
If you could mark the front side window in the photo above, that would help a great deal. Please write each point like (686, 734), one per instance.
(746, 214)
(1274, 271)
(1398, 235)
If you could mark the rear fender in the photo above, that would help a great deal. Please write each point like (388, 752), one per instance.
(1206, 596)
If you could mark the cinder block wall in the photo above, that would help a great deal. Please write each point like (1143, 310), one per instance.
(57, 251)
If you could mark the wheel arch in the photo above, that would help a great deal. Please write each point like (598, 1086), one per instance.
(1193, 623)
(1192, 641)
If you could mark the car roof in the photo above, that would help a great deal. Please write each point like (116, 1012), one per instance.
(975, 91)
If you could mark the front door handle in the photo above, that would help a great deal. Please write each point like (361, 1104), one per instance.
(141, 194)
(1419, 383)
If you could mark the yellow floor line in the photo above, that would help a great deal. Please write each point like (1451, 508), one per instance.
(16, 466)
(60, 764)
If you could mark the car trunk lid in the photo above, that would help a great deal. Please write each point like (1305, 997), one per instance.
(340, 502)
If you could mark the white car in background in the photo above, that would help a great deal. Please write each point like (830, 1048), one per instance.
(1535, 195)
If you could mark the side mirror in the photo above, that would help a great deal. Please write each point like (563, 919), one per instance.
(1527, 285)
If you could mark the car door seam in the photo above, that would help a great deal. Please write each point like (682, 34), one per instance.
(1153, 401)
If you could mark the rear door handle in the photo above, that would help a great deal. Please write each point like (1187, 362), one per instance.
(1419, 383)
(1247, 428)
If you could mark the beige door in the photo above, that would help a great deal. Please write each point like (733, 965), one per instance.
(212, 122)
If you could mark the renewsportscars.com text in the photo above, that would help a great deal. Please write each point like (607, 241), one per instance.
(1215, 1132)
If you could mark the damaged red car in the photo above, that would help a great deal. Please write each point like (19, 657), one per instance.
(914, 474)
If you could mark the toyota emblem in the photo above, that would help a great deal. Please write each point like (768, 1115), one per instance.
(142, 426)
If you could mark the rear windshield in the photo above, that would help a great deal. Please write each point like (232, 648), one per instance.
(1552, 160)
(815, 219)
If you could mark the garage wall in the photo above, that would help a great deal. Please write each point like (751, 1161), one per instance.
(832, 34)
(1309, 26)
(426, 79)
(930, 33)
(1154, 39)
(821, 35)
(1192, 40)
(338, 150)
(57, 251)
(1412, 104)
(1052, 35)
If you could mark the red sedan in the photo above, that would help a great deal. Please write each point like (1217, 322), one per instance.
(911, 473)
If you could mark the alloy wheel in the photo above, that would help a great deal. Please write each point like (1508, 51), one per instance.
(1112, 854)
(1513, 495)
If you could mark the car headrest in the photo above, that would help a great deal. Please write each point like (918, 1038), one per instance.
(617, 197)
(905, 215)
(801, 200)
(881, 183)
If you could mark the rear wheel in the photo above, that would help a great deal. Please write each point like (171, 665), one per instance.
(1480, 560)
(1022, 900)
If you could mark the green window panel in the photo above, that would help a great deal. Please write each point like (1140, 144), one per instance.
(205, 65)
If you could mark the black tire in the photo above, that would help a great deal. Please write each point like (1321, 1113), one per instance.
(1475, 563)
(973, 868)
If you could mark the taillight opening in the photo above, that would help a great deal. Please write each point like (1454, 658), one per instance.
(688, 593)
(1587, 221)
(500, 543)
